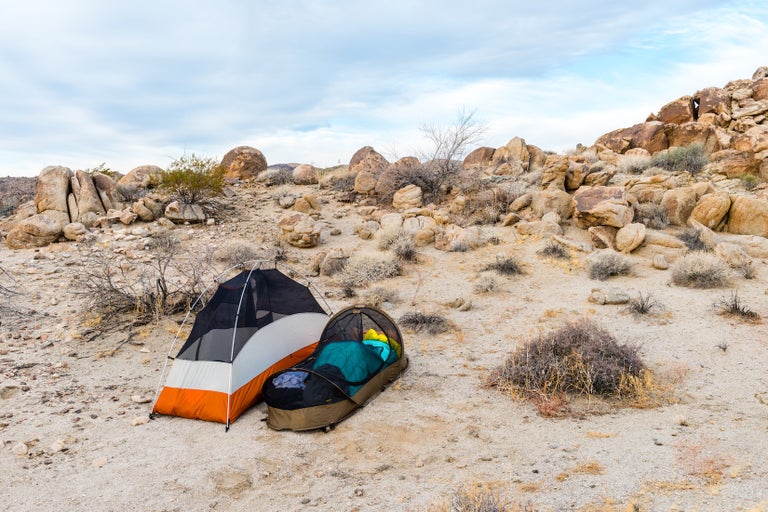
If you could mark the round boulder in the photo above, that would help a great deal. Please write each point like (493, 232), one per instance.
(244, 162)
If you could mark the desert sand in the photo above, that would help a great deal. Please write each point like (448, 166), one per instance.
(73, 401)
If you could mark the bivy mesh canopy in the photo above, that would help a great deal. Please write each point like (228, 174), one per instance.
(360, 351)
(257, 323)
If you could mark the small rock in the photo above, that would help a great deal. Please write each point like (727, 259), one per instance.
(140, 399)
(100, 462)
(20, 449)
(359, 492)
(57, 446)
(140, 420)
(660, 262)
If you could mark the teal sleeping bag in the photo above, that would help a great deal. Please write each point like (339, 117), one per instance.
(358, 362)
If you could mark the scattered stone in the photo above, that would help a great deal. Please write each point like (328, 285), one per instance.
(608, 297)
(660, 262)
(140, 399)
(140, 420)
(20, 449)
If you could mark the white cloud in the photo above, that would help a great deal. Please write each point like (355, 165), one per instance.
(313, 80)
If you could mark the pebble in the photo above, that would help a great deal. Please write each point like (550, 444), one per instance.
(97, 463)
(20, 449)
(140, 399)
(140, 420)
(57, 446)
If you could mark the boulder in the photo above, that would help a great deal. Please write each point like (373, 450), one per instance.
(712, 209)
(127, 217)
(142, 211)
(524, 201)
(760, 89)
(629, 237)
(683, 135)
(576, 174)
(649, 135)
(516, 150)
(367, 165)
(107, 190)
(52, 189)
(555, 169)
(713, 100)
(396, 175)
(180, 213)
(678, 111)
(142, 177)
(36, 231)
(551, 200)
(734, 164)
(539, 228)
(678, 203)
(304, 174)
(479, 158)
(651, 189)
(243, 162)
(75, 231)
(603, 237)
(86, 195)
(748, 216)
(407, 197)
(423, 228)
(602, 206)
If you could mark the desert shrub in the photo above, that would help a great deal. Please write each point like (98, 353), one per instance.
(478, 498)
(579, 358)
(748, 270)
(235, 252)
(193, 179)
(607, 264)
(8, 285)
(634, 164)
(700, 269)
(274, 176)
(643, 304)
(378, 295)
(506, 266)
(554, 250)
(362, 269)
(459, 245)
(164, 285)
(750, 181)
(430, 322)
(692, 239)
(485, 284)
(652, 215)
(401, 243)
(691, 159)
(131, 193)
(732, 306)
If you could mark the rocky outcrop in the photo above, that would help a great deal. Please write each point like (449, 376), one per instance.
(407, 197)
(367, 165)
(748, 216)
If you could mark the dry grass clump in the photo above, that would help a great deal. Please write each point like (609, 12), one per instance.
(236, 251)
(430, 322)
(362, 269)
(699, 269)
(276, 176)
(401, 243)
(606, 264)
(634, 164)
(379, 295)
(644, 304)
(485, 284)
(580, 358)
(554, 250)
(506, 266)
(692, 240)
(479, 497)
(732, 306)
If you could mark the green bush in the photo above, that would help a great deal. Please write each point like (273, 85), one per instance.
(689, 158)
(193, 179)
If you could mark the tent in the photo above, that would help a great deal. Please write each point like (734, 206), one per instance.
(359, 353)
(256, 323)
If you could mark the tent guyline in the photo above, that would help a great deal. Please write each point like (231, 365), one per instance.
(256, 323)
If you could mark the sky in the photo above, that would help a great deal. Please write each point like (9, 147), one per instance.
(88, 83)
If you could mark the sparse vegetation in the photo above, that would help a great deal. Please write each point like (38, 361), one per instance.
(430, 322)
(608, 264)
(131, 193)
(363, 269)
(275, 176)
(379, 295)
(166, 284)
(750, 181)
(193, 179)
(692, 239)
(699, 269)
(506, 266)
(732, 306)
(690, 159)
(401, 244)
(479, 497)
(235, 252)
(485, 284)
(554, 250)
(643, 304)
(580, 358)
(634, 164)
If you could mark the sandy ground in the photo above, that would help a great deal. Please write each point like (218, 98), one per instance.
(67, 410)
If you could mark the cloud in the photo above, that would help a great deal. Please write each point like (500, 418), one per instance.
(313, 80)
